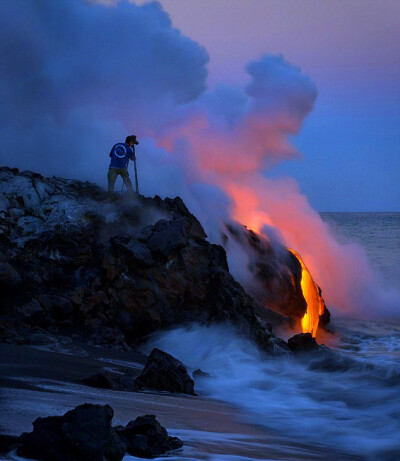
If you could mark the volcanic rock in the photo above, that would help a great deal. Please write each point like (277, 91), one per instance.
(276, 269)
(127, 382)
(9, 277)
(114, 271)
(135, 252)
(100, 380)
(105, 380)
(303, 342)
(7, 443)
(168, 236)
(200, 374)
(163, 372)
(84, 433)
(146, 438)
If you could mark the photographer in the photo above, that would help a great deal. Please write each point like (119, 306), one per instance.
(120, 155)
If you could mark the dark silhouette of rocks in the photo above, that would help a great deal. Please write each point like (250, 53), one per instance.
(146, 438)
(303, 342)
(200, 374)
(74, 261)
(81, 434)
(105, 380)
(7, 443)
(85, 433)
(163, 372)
(101, 381)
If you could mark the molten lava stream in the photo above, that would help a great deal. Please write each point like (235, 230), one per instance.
(315, 304)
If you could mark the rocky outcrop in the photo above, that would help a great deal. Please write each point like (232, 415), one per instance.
(101, 381)
(7, 443)
(111, 270)
(303, 342)
(146, 438)
(81, 434)
(276, 271)
(163, 372)
(105, 380)
(85, 433)
(200, 374)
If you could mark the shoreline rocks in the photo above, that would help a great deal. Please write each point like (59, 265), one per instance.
(85, 433)
(163, 372)
(146, 438)
(303, 342)
(111, 271)
(80, 434)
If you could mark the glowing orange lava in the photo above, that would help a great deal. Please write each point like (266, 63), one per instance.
(315, 304)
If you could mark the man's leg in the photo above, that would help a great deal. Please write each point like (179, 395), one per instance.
(127, 180)
(112, 177)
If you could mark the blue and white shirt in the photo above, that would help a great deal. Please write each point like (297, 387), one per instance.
(120, 155)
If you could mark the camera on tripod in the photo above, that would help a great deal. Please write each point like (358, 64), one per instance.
(133, 139)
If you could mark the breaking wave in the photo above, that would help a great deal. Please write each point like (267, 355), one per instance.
(348, 399)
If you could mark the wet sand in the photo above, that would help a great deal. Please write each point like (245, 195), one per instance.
(38, 382)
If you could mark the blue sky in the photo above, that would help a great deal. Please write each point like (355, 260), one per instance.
(351, 49)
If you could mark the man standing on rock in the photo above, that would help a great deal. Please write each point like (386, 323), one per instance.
(120, 155)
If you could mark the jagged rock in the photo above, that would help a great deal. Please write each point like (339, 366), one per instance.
(31, 310)
(144, 233)
(200, 374)
(30, 224)
(180, 209)
(105, 380)
(4, 203)
(107, 336)
(136, 252)
(43, 188)
(9, 335)
(163, 372)
(100, 380)
(303, 342)
(9, 277)
(59, 307)
(168, 236)
(16, 213)
(127, 382)
(7, 443)
(123, 273)
(146, 438)
(84, 433)
(276, 269)
(40, 338)
(324, 318)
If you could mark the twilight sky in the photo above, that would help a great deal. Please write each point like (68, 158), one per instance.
(84, 73)
(351, 50)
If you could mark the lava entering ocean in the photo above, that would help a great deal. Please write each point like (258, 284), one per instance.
(311, 293)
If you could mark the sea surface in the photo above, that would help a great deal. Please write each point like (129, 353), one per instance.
(348, 401)
(378, 233)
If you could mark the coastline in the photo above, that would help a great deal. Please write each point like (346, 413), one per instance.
(37, 382)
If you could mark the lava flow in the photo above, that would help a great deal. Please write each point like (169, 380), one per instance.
(315, 304)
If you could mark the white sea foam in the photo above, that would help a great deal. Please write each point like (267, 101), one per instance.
(354, 408)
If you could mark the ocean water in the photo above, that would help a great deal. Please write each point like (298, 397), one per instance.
(378, 233)
(347, 401)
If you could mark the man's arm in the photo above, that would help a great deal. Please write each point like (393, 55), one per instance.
(131, 153)
(111, 151)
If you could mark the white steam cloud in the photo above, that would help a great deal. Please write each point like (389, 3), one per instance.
(78, 76)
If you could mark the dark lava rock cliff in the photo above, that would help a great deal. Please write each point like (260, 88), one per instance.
(74, 261)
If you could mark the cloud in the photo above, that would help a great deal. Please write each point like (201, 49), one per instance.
(78, 76)
(116, 70)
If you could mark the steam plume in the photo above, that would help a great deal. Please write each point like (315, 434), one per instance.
(78, 76)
